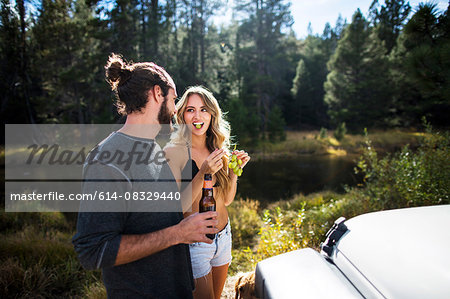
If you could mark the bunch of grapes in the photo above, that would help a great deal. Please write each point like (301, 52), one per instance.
(235, 164)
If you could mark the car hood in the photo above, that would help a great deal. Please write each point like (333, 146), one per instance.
(400, 253)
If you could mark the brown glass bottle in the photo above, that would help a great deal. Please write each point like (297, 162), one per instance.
(207, 202)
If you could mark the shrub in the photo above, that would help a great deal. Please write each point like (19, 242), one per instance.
(409, 178)
(279, 235)
(245, 222)
(323, 133)
(340, 132)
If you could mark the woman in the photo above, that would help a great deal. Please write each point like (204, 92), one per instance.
(200, 112)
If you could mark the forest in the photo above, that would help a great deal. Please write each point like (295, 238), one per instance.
(386, 69)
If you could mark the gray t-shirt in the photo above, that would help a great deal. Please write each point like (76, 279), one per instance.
(166, 274)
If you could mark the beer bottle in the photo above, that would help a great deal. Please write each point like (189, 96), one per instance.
(207, 202)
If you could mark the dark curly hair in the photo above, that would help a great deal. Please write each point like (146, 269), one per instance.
(131, 82)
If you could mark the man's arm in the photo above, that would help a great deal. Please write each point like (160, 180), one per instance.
(99, 241)
(189, 230)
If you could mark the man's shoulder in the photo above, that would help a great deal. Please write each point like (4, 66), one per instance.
(103, 157)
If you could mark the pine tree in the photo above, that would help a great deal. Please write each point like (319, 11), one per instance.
(261, 60)
(427, 61)
(14, 86)
(389, 20)
(276, 125)
(66, 64)
(124, 29)
(357, 85)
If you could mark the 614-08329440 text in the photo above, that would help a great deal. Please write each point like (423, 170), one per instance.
(57, 196)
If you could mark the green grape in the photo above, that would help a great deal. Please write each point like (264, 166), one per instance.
(235, 164)
(236, 169)
(198, 126)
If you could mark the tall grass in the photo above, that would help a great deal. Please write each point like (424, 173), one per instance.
(37, 259)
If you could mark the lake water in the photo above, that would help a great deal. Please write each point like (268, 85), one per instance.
(271, 180)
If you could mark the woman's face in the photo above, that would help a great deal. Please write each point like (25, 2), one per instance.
(196, 115)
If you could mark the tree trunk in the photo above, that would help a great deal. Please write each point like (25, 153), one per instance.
(23, 61)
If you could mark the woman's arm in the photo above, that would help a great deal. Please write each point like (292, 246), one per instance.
(211, 165)
(177, 158)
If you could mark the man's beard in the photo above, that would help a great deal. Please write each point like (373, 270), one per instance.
(165, 118)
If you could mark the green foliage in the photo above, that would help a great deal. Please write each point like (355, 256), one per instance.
(95, 290)
(245, 221)
(389, 20)
(37, 259)
(276, 125)
(263, 58)
(427, 62)
(409, 178)
(16, 107)
(279, 235)
(405, 179)
(323, 133)
(307, 106)
(357, 86)
(244, 125)
(44, 221)
(376, 74)
(340, 132)
(39, 280)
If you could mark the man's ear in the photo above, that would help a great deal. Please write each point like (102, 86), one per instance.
(157, 92)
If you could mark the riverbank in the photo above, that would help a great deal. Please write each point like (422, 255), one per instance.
(311, 143)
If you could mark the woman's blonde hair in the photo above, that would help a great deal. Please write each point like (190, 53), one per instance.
(217, 135)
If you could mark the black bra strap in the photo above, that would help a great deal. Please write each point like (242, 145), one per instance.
(189, 151)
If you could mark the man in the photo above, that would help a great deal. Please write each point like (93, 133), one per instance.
(141, 254)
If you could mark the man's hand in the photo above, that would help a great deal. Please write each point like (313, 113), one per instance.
(195, 227)
(190, 230)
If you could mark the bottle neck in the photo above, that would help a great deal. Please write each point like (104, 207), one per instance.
(207, 184)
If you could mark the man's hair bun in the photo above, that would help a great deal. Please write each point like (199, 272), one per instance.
(117, 71)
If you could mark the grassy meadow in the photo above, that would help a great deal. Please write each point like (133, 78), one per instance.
(325, 143)
(37, 259)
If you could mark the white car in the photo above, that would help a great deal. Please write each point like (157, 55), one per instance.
(402, 253)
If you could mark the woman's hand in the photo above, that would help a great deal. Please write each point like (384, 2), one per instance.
(240, 155)
(243, 156)
(213, 162)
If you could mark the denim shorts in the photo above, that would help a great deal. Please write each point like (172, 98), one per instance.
(204, 256)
